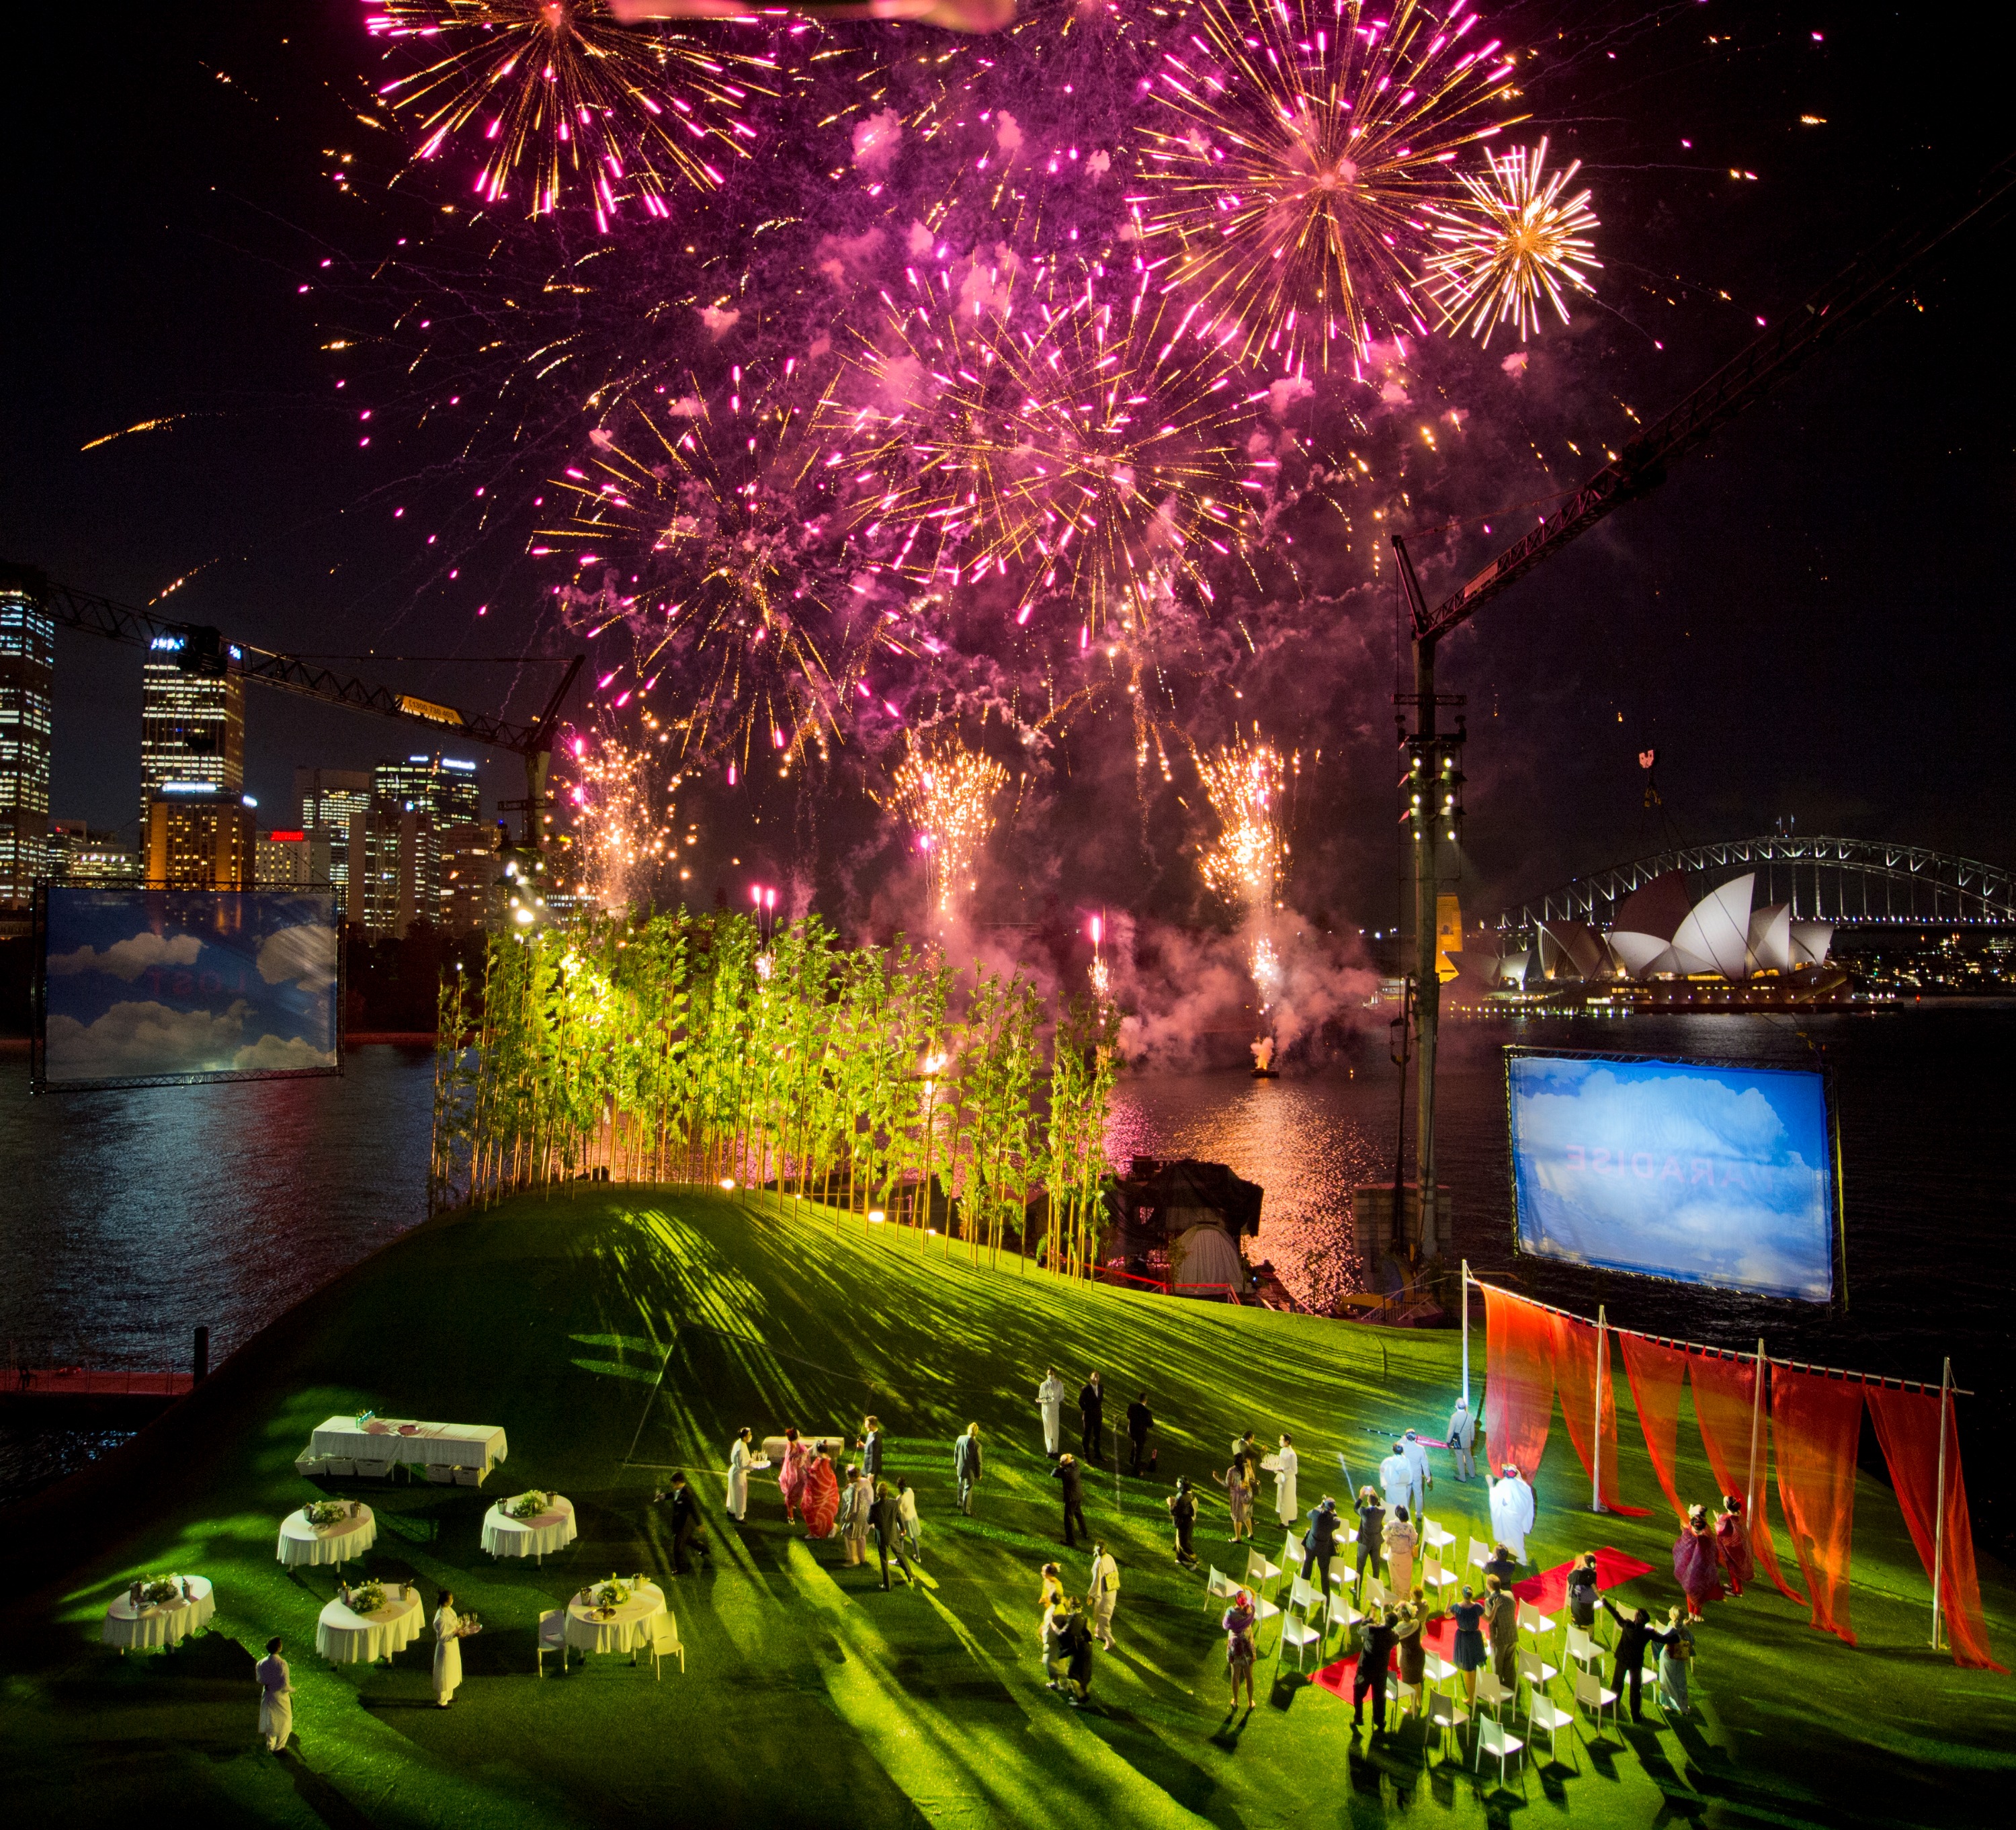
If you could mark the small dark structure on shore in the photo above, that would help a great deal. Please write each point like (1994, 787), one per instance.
(1178, 1224)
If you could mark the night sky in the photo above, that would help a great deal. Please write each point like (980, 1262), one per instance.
(1809, 621)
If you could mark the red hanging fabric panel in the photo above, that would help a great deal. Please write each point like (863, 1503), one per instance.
(1576, 1344)
(1907, 1425)
(1815, 1425)
(1656, 1374)
(1723, 1390)
(1518, 1381)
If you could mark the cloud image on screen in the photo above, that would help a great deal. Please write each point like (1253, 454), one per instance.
(143, 985)
(1707, 1175)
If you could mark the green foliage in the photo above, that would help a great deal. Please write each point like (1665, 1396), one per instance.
(682, 1048)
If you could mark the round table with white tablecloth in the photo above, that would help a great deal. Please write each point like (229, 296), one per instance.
(550, 1530)
(159, 1624)
(628, 1630)
(344, 1636)
(303, 1545)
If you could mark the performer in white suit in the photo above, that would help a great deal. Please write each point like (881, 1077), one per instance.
(738, 1459)
(1396, 1479)
(1512, 1511)
(1417, 1453)
(1287, 1465)
(1051, 1396)
(276, 1699)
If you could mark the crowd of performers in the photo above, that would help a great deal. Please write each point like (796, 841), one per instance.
(1383, 1537)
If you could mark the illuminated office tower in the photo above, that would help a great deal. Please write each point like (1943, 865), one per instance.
(200, 840)
(27, 667)
(445, 787)
(292, 859)
(191, 726)
(330, 799)
(79, 853)
(394, 867)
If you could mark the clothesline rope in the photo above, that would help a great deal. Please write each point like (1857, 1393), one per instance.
(1883, 1379)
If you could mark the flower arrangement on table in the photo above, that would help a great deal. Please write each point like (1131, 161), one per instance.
(321, 1512)
(155, 1589)
(368, 1599)
(610, 1595)
(528, 1505)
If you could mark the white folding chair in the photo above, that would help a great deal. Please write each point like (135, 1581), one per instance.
(1374, 1594)
(1447, 1712)
(1491, 1695)
(1218, 1587)
(1493, 1739)
(1296, 1629)
(1477, 1555)
(1536, 1671)
(552, 1638)
(1435, 1578)
(1590, 1694)
(1436, 1671)
(1434, 1537)
(1543, 1715)
(1531, 1620)
(1292, 1555)
(665, 1644)
(1582, 1649)
(1342, 1614)
(1259, 1571)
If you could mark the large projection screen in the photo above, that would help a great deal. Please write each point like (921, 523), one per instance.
(1702, 1173)
(154, 987)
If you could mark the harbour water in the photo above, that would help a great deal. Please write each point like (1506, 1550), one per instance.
(131, 1218)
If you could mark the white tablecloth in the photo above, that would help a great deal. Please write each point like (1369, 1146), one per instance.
(303, 1543)
(443, 1445)
(550, 1530)
(160, 1626)
(345, 1638)
(628, 1630)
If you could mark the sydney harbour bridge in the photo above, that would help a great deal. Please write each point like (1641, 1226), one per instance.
(1848, 882)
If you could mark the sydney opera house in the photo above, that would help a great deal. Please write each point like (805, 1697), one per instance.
(1721, 950)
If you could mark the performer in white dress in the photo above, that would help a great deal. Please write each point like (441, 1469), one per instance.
(738, 1459)
(1396, 1479)
(276, 1699)
(1512, 1511)
(1051, 1396)
(1287, 1465)
(447, 1649)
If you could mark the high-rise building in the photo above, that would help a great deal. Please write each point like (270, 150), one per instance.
(200, 840)
(328, 800)
(394, 867)
(191, 724)
(469, 870)
(81, 854)
(447, 787)
(27, 670)
(295, 859)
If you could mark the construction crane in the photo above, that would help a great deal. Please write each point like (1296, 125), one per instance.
(203, 650)
(1875, 279)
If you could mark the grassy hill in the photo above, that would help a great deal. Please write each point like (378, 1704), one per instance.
(616, 1333)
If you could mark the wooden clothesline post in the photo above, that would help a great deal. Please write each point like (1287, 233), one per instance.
(1939, 1499)
(1756, 1437)
(1596, 1434)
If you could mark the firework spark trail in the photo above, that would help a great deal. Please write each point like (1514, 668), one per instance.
(1511, 245)
(947, 793)
(619, 805)
(1306, 141)
(568, 103)
(704, 530)
(1082, 442)
(1243, 781)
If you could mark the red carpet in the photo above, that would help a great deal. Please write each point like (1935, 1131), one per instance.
(1545, 1591)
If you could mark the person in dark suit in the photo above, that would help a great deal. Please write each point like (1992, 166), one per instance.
(687, 1540)
(870, 1447)
(1501, 1627)
(1319, 1543)
(888, 1524)
(1501, 1565)
(1140, 1420)
(1371, 1534)
(1071, 1472)
(1182, 1515)
(1376, 1638)
(1092, 1418)
(1633, 1636)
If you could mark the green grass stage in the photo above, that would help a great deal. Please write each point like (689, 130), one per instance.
(615, 1332)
